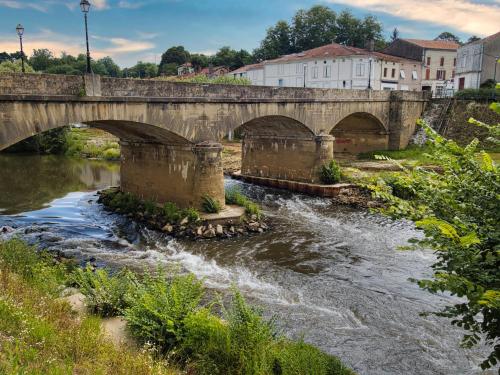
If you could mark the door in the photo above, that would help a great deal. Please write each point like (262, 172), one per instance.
(461, 83)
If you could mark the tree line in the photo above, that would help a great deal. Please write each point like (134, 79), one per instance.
(308, 28)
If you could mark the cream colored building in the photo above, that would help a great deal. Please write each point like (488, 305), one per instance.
(439, 58)
(335, 66)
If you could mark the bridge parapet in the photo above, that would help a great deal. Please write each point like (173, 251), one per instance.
(66, 85)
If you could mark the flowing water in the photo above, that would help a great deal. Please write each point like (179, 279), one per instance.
(330, 274)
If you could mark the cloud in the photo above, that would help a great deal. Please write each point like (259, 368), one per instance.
(463, 15)
(131, 4)
(15, 4)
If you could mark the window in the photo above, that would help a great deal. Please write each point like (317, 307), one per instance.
(315, 72)
(360, 70)
(327, 71)
(441, 74)
(393, 73)
(280, 83)
(428, 61)
(402, 74)
(385, 72)
(453, 73)
(455, 61)
(298, 68)
(427, 74)
(441, 63)
(343, 84)
(414, 75)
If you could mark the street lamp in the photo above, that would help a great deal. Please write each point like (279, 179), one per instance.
(85, 6)
(305, 71)
(370, 74)
(20, 32)
(497, 61)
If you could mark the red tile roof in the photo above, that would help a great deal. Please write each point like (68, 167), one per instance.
(434, 44)
(246, 68)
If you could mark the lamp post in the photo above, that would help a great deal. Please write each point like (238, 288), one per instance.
(305, 71)
(370, 74)
(85, 6)
(20, 32)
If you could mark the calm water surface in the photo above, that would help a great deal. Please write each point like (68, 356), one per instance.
(331, 274)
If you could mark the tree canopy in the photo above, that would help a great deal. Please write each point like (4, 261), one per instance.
(316, 27)
(446, 35)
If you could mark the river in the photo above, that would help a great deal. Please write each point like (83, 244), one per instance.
(331, 274)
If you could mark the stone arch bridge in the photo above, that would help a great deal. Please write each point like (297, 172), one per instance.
(170, 132)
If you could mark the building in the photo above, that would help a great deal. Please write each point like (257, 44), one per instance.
(185, 69)
(254, 73)
(336, 66)
(438, 58)
(476, 63)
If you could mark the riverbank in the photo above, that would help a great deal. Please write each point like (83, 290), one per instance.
(39, 332)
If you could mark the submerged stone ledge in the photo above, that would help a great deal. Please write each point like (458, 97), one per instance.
(230, 222)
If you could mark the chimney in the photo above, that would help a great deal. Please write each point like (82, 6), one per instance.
(370, 45)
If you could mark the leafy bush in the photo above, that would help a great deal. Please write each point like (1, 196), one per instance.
(477, 94)
(234, 196)
(330, 173)
(211, 205)
(158, 308)
(401, 186)
(171, 212)
(221, 80)
(459, 212)
(125, 201)
(111, 154)
(299, 358)
(105, 294)
(192, 214)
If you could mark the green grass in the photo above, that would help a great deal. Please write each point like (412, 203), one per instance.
(413, 154)
(40, 334)
(235, 196)
(174, 314)
(81, 143)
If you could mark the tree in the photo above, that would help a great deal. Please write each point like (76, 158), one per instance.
(14, 67)
(313, 28)
(446, 35)
(41, 59)
(395, 34)
(278, 42)
(231, 58)
(174, 55)
(199, 61)
(458, 210)
(110, 67)
(4, 56)
(143, 70)
(473, 38)
(347, 28)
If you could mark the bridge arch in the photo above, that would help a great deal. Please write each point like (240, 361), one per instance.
(360, 132)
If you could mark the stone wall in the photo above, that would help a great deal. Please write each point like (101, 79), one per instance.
(458, 128)
(40, 84)
(286, 158)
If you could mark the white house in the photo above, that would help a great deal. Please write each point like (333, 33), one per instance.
(476, 63)
(254, 73)
(336, 66)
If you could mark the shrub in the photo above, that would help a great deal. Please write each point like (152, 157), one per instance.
(400, 186)
(105, 294)
(111, 154)
(330, 173)
(299, 358)
(477, 94)
(192, 214)
(171, 212)
(234, 196)
(158, 308)
(211, 205)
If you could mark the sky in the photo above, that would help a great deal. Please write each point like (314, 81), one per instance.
(133, 30)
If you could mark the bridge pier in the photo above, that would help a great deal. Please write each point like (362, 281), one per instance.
(284, 157)
(178, 173)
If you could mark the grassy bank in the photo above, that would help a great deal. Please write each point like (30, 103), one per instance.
(92, 143)
(181, 323)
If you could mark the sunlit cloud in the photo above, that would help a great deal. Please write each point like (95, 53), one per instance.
(463, 15)
(131, 4)
(17, 4)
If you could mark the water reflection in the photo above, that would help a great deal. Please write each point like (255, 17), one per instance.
(29, 183)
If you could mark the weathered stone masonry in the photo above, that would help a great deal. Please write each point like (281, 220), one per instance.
(170, 131)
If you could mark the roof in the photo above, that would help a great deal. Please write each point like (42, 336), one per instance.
(329, 50)
(246, 68)
(338, 50)
(434, 44)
